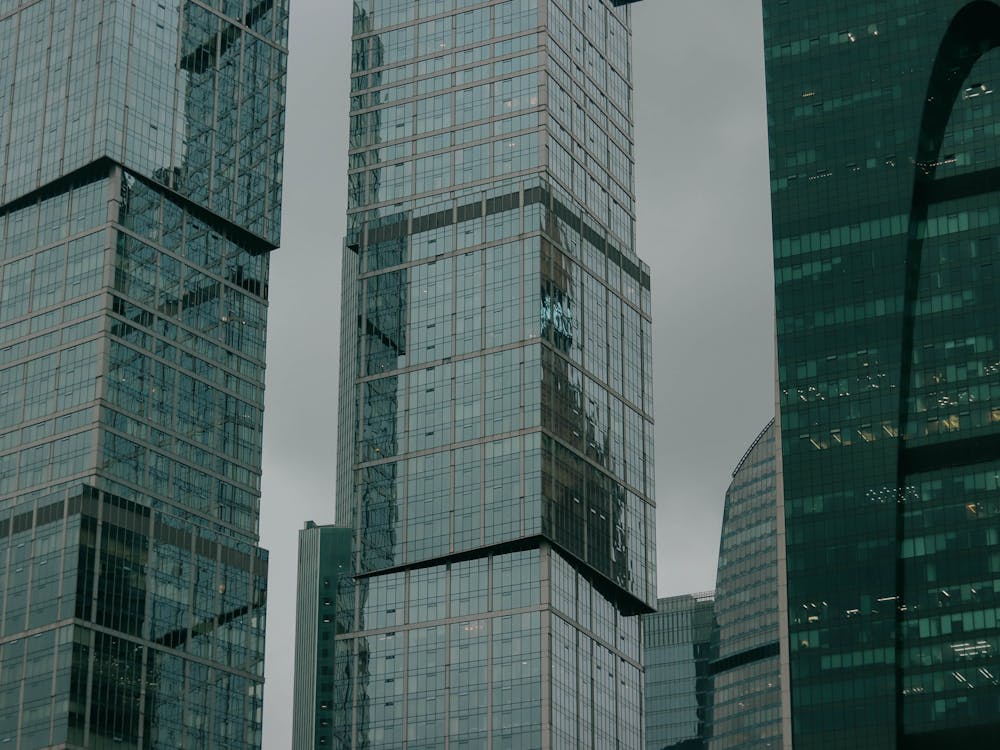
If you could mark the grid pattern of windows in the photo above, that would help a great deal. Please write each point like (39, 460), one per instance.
(220, 146)
(125, 573)
(883, 146)
(494, 612)
(324, 558)
(51, 268)
(185, 357)
(479, 278)
(676, 651)
(132, 322)
(746, 678)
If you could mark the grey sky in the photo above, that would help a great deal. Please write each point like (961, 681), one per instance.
(704, 229)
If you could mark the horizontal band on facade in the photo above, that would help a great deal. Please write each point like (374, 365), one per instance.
(963, 452)
(103, 166)
(744, 657)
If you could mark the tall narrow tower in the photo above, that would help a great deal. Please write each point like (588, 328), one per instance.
(746, 664)
(140, 192)
(884, 163)
(495, 456)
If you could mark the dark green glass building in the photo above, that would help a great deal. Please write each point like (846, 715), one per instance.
(324, 559)
(140, 193)
(884, 161)
(495, 445)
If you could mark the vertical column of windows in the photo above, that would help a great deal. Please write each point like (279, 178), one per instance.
(594, 162)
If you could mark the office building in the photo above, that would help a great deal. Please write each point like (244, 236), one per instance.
(495, 445)
(677, 641)
(712, 660)
(886, 241)
(324, 557)
(745, 664)
(139, 197)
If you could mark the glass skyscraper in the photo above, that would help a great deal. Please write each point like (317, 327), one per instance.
(713, 672)
(324, 556)
(884, 158)
(745, 666)
(140, 194)
(495, 445)
(677, 649)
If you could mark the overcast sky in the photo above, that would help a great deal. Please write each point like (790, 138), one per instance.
(703, 227)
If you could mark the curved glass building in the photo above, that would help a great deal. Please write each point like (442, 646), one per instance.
(745, 666)
(885, 152)
(677, 648)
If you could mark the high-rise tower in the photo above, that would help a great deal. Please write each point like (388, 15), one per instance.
(713, 671)
(495, 447)
(140, 192)
(884, 162)
(677, 644)
(324, 556)
(745, 667)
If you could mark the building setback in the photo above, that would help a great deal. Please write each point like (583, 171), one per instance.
(495, 445)
(886, 226)
(140, 192)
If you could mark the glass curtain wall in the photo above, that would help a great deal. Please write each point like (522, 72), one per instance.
(495, 456)
(745, 666)
(324, 556)
(884, 154)
(139, 197)
(677, 649)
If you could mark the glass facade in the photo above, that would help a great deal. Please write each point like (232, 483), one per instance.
(677, 650)
(495, 446)
(188, 93)
(884, 153)
(324, 556)
(139, 197)
(713, 672)
(745, 667)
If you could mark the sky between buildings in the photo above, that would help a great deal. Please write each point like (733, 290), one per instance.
(703, 228)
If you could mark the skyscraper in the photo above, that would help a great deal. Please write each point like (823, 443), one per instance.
(883, 139)
(139, 197)
(713, 673)
(677, 645)
(495, 445)
(324, 556)
(745, 663)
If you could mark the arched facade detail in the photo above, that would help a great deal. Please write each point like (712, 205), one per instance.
(973, 32)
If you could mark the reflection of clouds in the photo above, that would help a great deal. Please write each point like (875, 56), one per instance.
(557, 316)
